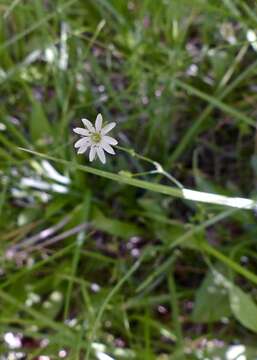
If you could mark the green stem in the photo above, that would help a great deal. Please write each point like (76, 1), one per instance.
(183, 193)
(232, 264)
(175, 311)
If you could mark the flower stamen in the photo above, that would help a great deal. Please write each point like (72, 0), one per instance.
(96, 137)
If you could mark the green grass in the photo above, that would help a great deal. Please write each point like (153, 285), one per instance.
(122, 263)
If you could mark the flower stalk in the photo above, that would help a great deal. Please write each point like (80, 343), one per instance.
(184, 193)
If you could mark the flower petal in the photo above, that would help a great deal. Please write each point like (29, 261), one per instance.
(101, 154)
(110, 140)
(82, 142)
(107, 148)
(88, 125)
(92, 153)
(81, 131)
(83, 148)
(98, 122)
(108, 128)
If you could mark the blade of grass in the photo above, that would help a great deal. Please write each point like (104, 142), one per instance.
(7, 156)
(11, 147)
(17, 134)
(215, 102)
(77, 253)
(158, 272)
(61, 328)
(114, 290)
(175, 311)
(11, 8)
(36, 25)
(12, 278)
(3, 195)
(196, 125)
(232, 264)
(107, 5)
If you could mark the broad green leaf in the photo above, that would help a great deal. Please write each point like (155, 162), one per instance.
(212, 301)
(243, 308)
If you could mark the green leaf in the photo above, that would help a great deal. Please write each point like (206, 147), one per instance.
(212, 301)
(151, 205)
(39, 125)
(243, 308)
(115, 227)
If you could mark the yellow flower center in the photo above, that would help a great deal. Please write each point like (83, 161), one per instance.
(96, 137)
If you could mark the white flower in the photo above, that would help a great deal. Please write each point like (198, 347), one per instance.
(95, 138)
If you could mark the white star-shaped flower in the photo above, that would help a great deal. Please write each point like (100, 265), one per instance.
(95, 138)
